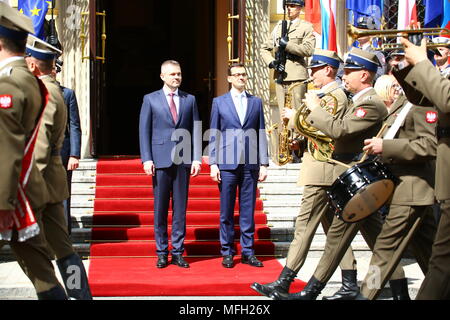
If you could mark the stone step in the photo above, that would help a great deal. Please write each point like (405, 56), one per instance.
(83, 188)
(87, 164)
(282, 248)
(283, 179)
(283, 201)
(83, 250)
(83, 178)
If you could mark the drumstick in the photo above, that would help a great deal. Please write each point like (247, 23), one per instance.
(378, 135)
(340, 163)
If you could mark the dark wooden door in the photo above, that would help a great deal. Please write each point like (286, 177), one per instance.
(140, 35)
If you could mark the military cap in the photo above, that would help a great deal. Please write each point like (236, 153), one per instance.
(359, 59)
(295, 2)
(364, 23)
(442, 40)
(324, 57)
(40, 49)
(13, 24)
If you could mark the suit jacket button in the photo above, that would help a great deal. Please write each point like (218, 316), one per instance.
(311, 121)
(414, 83)
(12, 201)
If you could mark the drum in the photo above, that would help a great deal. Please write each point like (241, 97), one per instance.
(361, 190)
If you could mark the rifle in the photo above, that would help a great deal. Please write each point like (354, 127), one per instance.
(280, 55)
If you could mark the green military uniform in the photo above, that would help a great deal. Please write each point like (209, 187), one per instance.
(17, 122)
(424, 85)
(316, 176)
(362, 120)
(409, 156)
(300, 46)
(48, 158)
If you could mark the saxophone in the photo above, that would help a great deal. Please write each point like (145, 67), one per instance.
(280, 138)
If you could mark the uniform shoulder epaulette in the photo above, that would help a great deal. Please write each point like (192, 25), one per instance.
(6, 72)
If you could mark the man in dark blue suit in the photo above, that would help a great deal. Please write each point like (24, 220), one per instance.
(238, 159)
(71, 148)
(170, 143)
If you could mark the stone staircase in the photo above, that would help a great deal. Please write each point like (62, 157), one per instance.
(280, 193)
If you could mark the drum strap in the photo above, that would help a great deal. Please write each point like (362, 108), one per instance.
(398, 122)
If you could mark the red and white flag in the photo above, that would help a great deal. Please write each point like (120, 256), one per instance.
(407, 13)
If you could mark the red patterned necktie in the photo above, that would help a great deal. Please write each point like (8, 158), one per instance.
(173, 108)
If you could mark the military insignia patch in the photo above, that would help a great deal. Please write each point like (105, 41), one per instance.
(6, 101)
(360, 113)
(431, 116)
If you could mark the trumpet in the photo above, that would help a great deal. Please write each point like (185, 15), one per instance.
(353, 33)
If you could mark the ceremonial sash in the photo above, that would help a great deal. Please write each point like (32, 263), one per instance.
(24, 220)
(398, 122)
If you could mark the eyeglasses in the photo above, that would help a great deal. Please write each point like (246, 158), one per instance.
(237, 75)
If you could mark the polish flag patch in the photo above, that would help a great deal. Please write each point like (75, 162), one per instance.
(6, 101)
(431, 116)
(360, 113)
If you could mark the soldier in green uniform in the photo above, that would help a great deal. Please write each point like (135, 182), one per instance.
(362, 119)
(424, 85)
(316, 177)
(408, 148)
(21, 104)
(299, 45)
(40, 59)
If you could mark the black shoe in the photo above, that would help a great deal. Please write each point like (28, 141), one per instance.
(179, 261)
(399, 289)
(281, 285)
(163, 261)
(251, 260)
(349, 289)
(227, 261)
(310, 292)
(55, 293)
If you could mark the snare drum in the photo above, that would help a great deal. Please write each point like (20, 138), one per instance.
(361, 190)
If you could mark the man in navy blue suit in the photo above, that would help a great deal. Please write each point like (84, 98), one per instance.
(170, 143)
(238, 159)
(71, 148)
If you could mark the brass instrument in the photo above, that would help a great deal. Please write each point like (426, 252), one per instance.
(320, 146)
(353, 33)
(280, 138)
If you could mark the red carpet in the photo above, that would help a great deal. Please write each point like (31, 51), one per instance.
(123, 253)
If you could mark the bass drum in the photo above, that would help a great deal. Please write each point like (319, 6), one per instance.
(361, 190)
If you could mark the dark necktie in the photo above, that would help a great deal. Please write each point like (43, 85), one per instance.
(173, 108)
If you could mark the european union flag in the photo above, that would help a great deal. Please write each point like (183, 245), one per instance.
(36, 10)
(373, 9)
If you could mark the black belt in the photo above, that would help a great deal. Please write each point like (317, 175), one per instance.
(442, 132)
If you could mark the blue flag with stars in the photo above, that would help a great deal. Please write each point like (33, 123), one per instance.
(36, 10)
